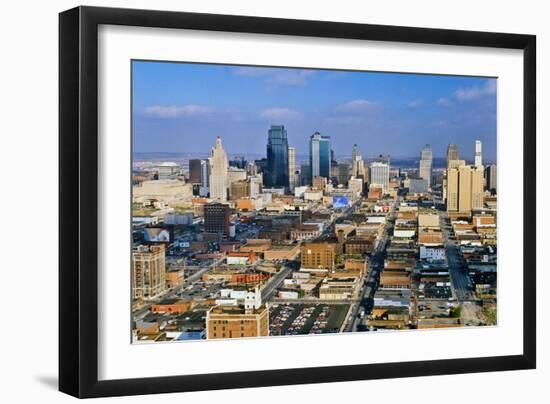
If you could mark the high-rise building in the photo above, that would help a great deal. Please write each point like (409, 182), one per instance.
(343, 172)
(319, 155)
(478, 161)
(320, 183)
(491, 177)
(218, 172)
(380, 175)
(291, 168)
(464, 188)
(195, 171)
(425, 167)
(305, 174)
(356, 185)
(452, 189)
(357, 163)
(235, 174)
(148, 271)
(277, 157)
(320, 255)
(452, 153)
(216, 218)
(239, 189)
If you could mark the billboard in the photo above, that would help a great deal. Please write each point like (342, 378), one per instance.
(340, 202)
(156, 235)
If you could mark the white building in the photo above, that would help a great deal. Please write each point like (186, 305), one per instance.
(299, 191)
(291, 167)
(218, 172)
(425, 169)
(168, 170)
(380, 175)
(355, 185)
(432, 254)
(478, 160)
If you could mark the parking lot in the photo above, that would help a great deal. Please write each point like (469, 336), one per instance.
(299, 319)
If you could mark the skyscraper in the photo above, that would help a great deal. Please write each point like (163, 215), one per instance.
(380, 175)
(277, 157)
(452, 153)
(195, 171)
(216, 218)
(478, 161)
(343, 173)
(205, 174)
(425, 169)
(291, 168)
(319, 155)
(357, 164)
(491, 177)
(218, 172)
(464, 188)
(148, 271)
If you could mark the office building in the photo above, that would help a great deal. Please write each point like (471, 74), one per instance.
(357, 163)
(305, 174)
(216, 218)
(343, 173)
(452, 153)
(319, 155)
(478, 161)
(277, 158)
(195, 171)
(464, 188)
(235, 174)
(319, 255)
(319, 183)
(205, 174)
(355, 185)
(425, 167)
(218, 172)
(380, 175)
(239, 189)
(236, 321)
(491, 177)
(292, 176)
(148, 271)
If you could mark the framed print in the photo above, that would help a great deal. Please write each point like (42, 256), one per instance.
(251, 201)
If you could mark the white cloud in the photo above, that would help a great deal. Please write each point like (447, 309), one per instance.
(287, 77)
(415, 103)
(444, 102)
(476, 92)
(358, 106)
(174, 111)
(279, 114)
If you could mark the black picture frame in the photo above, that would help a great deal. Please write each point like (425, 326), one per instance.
(78, 200)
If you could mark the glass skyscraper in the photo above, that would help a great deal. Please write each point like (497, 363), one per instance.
(319, 155)
(277, 157)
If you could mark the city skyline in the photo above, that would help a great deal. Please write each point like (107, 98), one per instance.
(384, 113)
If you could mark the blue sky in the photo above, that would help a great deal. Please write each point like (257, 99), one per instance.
(182, 107)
